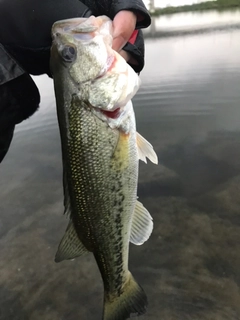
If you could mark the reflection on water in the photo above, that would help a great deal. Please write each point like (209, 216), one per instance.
(175, 3)
(193, 21)
(189, 108)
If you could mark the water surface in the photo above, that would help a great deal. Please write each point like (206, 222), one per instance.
(192, 22)
(189, 108)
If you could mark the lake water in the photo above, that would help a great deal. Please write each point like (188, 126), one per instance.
(192, 22)
(166, 3)
(188, 107)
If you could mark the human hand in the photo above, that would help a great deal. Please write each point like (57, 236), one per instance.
(124, 24)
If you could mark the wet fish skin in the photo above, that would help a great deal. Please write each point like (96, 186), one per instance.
(93, 85)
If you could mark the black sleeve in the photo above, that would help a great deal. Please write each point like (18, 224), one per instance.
(25, 26)
(136, 48)
(111, 7)
(19, 98)
(28, 23)
(25, 29)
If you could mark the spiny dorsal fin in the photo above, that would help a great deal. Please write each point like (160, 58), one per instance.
(142, 225)
(70, 246)
(145, 150)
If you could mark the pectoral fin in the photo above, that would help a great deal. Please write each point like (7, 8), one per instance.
(142, 225)
(145, 150)
(70, 246)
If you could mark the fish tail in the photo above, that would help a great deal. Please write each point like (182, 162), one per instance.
(130, 303)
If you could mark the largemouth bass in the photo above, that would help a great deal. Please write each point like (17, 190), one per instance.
(100, 151)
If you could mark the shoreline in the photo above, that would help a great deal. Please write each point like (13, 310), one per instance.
(191, 31)
(219, 5)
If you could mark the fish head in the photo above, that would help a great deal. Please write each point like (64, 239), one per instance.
(83, 58)
(83, 47)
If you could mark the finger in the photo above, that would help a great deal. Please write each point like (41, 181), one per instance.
(124, 24)
(125, 55)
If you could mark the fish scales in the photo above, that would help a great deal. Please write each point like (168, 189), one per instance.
(107, 187)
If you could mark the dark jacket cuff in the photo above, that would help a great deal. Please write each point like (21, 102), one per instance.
(9, 69)
(135, 47)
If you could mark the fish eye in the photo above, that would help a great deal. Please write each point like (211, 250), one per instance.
(68, 53)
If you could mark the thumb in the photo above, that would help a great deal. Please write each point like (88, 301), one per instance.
(124, 24)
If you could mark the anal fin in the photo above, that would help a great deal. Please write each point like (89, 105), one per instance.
(145, 150)
(70, 246)
(142, 225)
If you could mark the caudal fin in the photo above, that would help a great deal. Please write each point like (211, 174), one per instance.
(131, 303)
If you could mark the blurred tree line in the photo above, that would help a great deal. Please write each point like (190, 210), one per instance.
(215, 5)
